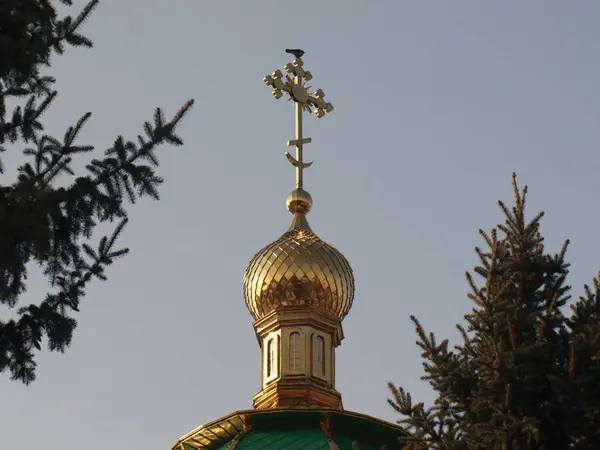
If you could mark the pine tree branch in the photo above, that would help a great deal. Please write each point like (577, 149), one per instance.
(53, 225)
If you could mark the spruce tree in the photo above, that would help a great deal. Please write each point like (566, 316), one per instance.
(525, 376)
(45, 223)
(584, 368)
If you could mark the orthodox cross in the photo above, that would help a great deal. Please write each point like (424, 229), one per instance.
(298, 92)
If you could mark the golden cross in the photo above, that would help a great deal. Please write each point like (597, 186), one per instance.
(298, 92)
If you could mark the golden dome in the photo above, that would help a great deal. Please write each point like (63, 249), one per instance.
(299, 268)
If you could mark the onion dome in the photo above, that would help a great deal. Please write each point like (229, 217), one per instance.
(299, 269)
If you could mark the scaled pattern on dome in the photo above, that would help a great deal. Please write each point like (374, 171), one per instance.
(297, 269)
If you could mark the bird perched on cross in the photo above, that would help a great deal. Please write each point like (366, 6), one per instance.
(295, 51)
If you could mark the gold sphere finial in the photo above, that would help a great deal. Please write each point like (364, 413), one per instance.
(299, 202)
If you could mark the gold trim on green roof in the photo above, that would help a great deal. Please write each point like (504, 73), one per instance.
(216, 434)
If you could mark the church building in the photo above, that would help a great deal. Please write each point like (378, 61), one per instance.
(298, 289)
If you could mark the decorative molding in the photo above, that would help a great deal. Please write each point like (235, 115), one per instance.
(294, 316)
(233, 444)
(302, 392)
(326, 426)
(246, 422)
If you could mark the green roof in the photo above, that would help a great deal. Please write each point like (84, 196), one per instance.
(313, 439)
(294, 429)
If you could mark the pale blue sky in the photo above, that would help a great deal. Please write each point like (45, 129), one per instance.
(437, 102)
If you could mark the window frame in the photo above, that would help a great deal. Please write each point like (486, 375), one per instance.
(295, 356)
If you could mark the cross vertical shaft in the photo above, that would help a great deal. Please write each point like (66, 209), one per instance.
(298, 88)
(299, 143)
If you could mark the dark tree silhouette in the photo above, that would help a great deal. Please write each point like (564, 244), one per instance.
(46, 224)
(525, 376)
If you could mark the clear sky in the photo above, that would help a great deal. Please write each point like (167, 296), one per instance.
(437, 102)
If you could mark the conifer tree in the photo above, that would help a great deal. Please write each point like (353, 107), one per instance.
(584, 368)
(525, 376)
(45, 223)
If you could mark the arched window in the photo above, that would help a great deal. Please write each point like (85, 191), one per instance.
(295, 351)
(270, 357)
(320, 355)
